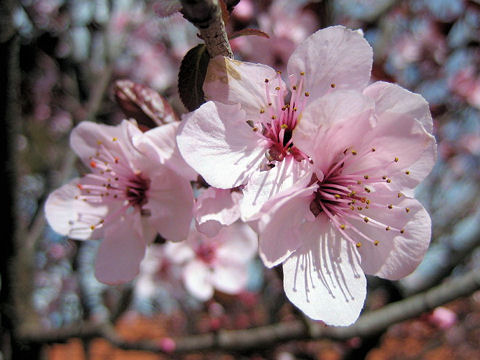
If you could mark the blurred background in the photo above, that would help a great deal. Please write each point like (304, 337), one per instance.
(69, 55)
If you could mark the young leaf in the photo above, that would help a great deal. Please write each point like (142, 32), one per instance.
(191, 76)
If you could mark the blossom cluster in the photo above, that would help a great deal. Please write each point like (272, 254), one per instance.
(316, 162)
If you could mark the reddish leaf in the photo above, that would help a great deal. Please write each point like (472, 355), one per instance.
(143, 104)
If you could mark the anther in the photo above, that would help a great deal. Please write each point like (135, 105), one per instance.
(373, 149)
(294, 87)
(365, 177)
(387, 228)
(358, 244)
(407, 172)
(354, 152)
(390, 206)
(342, 227)
(402, 231)
(277, 88)
(407, 210)
(376, 242)
(399, 195)
(266, 80)
(396, 159)
(389, 181)
(307, 93)
(93, 164)
(302, 73)
(367, 190)
(365, 219)
(332, 86)
(262, 111)
(114, 139)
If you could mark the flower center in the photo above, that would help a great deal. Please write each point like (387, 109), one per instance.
(277, 121)
(113, 181)
(205, 252)
(345, 198)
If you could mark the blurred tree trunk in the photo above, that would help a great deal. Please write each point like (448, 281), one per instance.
(10, 117)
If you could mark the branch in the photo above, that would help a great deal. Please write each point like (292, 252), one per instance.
(206, 15)
(241, 340)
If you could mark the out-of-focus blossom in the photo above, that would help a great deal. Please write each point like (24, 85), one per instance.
(443, 318)
(134, 190)
(466, 83)
(287, 24)
(220, 262)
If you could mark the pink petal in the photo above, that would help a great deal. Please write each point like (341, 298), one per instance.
(120, 253)
(218, 143)
(279, 227)
(263, 185)
(393, 98)
(332, 58)
(396, 254)
(216, 208)
(86, 137)
(333, 123)
(235, 82)
(323, 278)
(68, 216)
(238, 244)
(159, 145)
(170, 202)
(230, 278)
(197, 280)
(179, 252)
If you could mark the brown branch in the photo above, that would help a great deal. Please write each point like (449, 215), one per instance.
(241, 340)
(206, 15)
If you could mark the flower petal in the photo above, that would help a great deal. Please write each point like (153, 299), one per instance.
(323, 278)
(215, 208)
(332, 58)
(197, 280)
(170, 202)
(280, 225)
(397, 253)
(120, 253)
(74, 217)
(218, 143)
(235, 82)
(159, 145)
(238, 244)
(390, 97)
(263, 185)
(230, 278)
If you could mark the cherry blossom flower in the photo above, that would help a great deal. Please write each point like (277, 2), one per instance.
(220, 262)
(244, 134)
(357, 213)
(137, 188)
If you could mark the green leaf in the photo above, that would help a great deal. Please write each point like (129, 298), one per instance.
(191, 76)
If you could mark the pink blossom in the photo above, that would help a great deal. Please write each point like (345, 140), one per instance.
(443, 318)
(243, 136)
(220, 262)
(357, 213)
(136, 188)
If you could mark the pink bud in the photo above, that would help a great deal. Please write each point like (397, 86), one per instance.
(443, 318)
(167, 344)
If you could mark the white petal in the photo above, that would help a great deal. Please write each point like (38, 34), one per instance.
(323, 278)
(197, 279)
(332, 58)
(218, 143)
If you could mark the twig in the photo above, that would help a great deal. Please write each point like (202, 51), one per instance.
(242, 340)
(206, 15)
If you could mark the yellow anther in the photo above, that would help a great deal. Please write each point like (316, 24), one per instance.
(337, 196)
(342, 227)
(352, 207)
(302, 73)
(359, 208)
(389, 181)
(365, 177)
(367, 190)
(273, 117)
(407, 172)
(387, 228)
(407, 210)
(376, 242)
(359, 182)
(384, 177)
(114, 139)
(294, 87)
(358, 244)
(92, 227)
(277, 88)
(262, 111)
(396, 159)
(390, 206)
(255, 129)
(399, 195)
(365, 219)
(367, 201)
(354, 152)
(284, 126)
(332, 85)
(307, 93)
